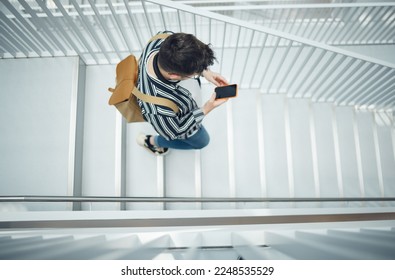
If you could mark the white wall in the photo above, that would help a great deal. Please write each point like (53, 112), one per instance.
(36, 103)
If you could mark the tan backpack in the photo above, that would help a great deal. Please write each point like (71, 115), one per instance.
(124, 96)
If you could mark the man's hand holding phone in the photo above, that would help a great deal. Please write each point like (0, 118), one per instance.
(212, 103)
(219, 97)
(221, 83)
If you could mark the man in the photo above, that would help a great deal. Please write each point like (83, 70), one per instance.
(163, 64)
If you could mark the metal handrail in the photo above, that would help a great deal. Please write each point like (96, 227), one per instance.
(33, 198)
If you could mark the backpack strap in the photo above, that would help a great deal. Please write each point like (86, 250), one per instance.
(159, 36)
(156, 100)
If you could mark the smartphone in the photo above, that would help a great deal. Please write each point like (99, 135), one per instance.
(227, 91)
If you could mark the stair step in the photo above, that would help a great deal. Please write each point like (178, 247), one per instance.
(144, 171)
(215, 158)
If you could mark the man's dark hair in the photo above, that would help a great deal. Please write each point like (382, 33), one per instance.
(184, 54)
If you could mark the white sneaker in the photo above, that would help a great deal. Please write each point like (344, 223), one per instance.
(143, 141)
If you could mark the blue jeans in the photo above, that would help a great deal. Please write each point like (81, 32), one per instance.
(197, 141)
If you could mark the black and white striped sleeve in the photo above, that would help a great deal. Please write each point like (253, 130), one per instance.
(172, 126)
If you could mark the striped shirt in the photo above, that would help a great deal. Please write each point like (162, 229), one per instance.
(168, 124)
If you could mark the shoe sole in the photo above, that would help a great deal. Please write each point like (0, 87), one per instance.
(141, 142)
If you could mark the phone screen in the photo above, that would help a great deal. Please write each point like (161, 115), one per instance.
(226, 91)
